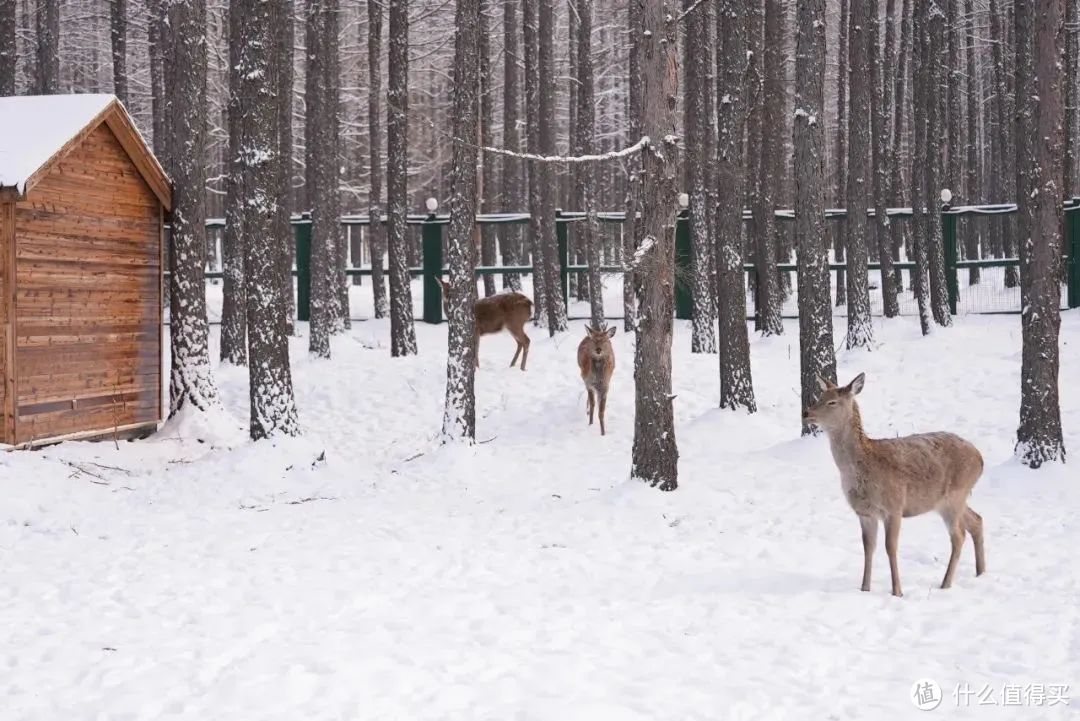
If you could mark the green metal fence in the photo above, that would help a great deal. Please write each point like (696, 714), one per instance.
(432, 231)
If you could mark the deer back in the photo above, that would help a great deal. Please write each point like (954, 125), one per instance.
(502, 310)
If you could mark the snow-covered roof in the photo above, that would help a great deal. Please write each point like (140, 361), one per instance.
(34, 129)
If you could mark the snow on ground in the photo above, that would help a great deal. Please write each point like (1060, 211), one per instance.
(526, 578)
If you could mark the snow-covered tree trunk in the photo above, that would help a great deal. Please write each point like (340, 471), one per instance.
(192, 379)
(8, 62)
(158, 51)
(459, 418)
(880, 171)
(900, 112)
(282, 72)
(860, 329)
(585, 173)
(1039, 156)
(273, 409)
(920, 195)
(402, 333)
(736, 383)
(699, 124)
(1003, 115)
(631, 230)
(513, 185)
(816, 356)
(118, 35)
(537, 178)
(936, 130)
(951, 56)
(234, 300)
(972, 190)
(841, 147)
(375, 232)
(48, 46)
(487, 187)
(655, 452)
(1072, 93)
(553, 295)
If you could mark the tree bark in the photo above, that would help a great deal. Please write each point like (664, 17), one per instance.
(158, 51)
(972, 191)
(655, 452)
(8, 58)
(402, 333)
(880, 131)
(900, 89)
(631, 231)
(234, 301)
(1072, 93)
(513, 186)
(585, 173)
(816, 356)
(486, 197)
(934, 169)
(1002, 111)
(192, 379)
(699, 125)
(553, 293)
(118, 35)
(1039, 157)
(536, 171)
(459, 419)
(860, 329)
(920, 199)
(48, 47)
(376, 236)
(282, 67)
(840, 154)
(273, 409)
(736, 382)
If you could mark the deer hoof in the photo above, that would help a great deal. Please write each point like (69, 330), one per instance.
(898, 593)
(866, 587)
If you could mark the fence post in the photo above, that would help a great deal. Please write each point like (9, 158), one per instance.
(561, 232)
(431, 250)
(302, 235)
(1072, 234)
(684, 261)
(948, 233)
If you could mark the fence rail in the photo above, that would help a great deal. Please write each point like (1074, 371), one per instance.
(432, 231)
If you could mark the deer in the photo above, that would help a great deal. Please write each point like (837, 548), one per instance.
(509, 310)
(596, 360)
(888, 479)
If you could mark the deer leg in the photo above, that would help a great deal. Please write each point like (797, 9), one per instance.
(590, 403)
(869, 543)
(974, 525)
(603, 407)
(892, 538)
(517, 352)
(953, 522)
(523, 346)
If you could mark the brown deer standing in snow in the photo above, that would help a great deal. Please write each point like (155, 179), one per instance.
(596, 360)
(892, 478)
(502, 310)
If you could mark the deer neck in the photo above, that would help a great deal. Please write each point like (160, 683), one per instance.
(849, 441)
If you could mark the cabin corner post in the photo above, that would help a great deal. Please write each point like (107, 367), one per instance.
(7, 322)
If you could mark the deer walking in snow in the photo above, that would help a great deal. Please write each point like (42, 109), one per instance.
(596, 360)
(502, 310)
(889, 479)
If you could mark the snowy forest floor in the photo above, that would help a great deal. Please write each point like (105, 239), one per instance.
(195, 575)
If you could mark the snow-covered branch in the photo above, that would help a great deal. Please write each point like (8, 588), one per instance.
(612, 155)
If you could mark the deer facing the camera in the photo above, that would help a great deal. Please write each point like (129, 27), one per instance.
(502, 310)
(596, 360)
(889, 479)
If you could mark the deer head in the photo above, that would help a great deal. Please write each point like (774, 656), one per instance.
(598, 341)
(836, 406)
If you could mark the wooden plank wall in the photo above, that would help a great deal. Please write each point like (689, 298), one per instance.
(88, 296)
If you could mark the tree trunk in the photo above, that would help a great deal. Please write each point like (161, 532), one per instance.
(934, 169)
(700, 166)
(585, 173)
(118, 33)
(1002, 111)
(631, 231)
(487, 201)
(860, 329)
(536, 171)
(376, 236)
(553, 293)
(1072, 93)
(459, 420)
(951, 177)
(192, 378)
(655, 453)
(840, 154)
(816, 356)
(512, 198)
(48, 47)
(282, 65)
(273, 409)
(8, 56)
(736, 382)
(900, 87)
(158, 51)
(402, 333)
(234, 300)
(920, 200)
(1039, 157)
(879, 113)
(513, 190)
(972, 191)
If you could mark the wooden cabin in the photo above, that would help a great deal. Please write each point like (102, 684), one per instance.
(82, 203)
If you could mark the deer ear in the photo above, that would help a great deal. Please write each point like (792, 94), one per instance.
(824, 384)
(443, 283)
(855, 387)
(611, 332)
